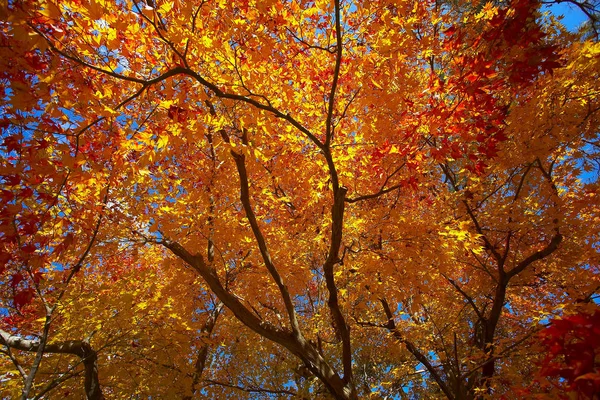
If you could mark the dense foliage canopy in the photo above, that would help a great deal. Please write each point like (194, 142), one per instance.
(298, 199)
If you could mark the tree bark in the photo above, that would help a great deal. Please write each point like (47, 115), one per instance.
(80, 348)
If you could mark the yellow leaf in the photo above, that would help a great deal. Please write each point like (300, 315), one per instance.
(166, 7)
(162, 141)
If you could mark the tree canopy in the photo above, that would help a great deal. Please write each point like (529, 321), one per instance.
(298, 199)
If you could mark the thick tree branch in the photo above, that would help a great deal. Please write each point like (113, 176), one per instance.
(262, 245)
(296, 345)
(381, 191)
(340, 324)
(230, 300)
(332, 259)
(232, 96)
(15, 362)
(499, 355)
(505, 277)
(337, 214)
(538, 255)
(499, 300)
(80, 348)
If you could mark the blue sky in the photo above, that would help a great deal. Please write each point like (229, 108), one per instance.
(573, 17)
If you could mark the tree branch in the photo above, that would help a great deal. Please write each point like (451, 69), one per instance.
(41, 345)
(232, 96)
(208, 327)
(250, 389)
(487, 243)
(262, 245)
(538, 255)
(391, 326)
(80, 348)
(296, 345)
(466, 296)
(336, 75)
(341, 327)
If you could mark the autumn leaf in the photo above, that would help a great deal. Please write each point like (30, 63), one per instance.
(321, 199)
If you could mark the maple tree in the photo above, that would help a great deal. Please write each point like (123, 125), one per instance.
(297, 199)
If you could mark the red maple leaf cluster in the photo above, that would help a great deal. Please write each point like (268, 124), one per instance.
(573, 354)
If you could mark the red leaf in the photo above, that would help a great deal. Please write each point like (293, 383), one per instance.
(64, 245)
(12, 180)
(29, 248)
(4, 259)
(23, 297)
(550, 66)
(450, 31)
(11, 143)
(15, 279)
(25, 193)
(35, 61)
(177, 114)
(572, 348)
(29, 228)
(455, 151)
(38, 276)
(6, 195)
